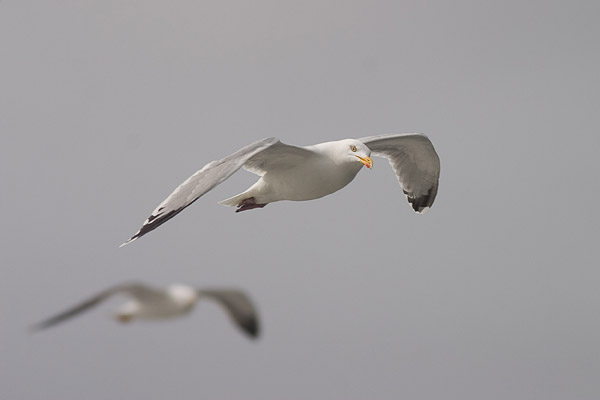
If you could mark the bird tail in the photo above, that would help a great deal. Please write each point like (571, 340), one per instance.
(252, 191)
(235, 200)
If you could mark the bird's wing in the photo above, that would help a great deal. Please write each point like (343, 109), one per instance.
(238, 306)
(415, 162)
(201, 182)
(136, 291)
(279, 156)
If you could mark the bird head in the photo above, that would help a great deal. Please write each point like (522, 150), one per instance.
(356, 151)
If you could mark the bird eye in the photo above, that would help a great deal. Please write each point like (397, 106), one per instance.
(353, 147)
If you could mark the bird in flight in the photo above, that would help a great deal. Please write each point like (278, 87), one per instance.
(300, 173)
(148, 303)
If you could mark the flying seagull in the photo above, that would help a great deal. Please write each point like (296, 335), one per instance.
(301, 173)
(148, 303)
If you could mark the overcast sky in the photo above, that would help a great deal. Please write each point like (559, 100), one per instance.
(106, 106)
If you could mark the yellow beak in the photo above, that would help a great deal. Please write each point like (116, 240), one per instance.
(367, 161)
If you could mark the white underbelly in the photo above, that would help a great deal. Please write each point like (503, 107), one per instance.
(160, 311)
(307, 182)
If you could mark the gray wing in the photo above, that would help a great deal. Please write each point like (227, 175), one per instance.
(135, 290)
(279, 156)
(198, 184)
(415, 162)
(239, 307)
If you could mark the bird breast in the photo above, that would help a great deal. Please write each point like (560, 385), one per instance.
(308, 181)
(159, 310)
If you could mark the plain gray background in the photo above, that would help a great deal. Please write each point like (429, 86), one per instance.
(106, 106)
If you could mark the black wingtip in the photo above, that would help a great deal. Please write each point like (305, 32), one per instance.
(41, 326)
(131, 239)
(252, 328)
(423, 203)
(153, 222)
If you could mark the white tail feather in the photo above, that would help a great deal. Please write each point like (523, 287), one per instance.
(235, 200)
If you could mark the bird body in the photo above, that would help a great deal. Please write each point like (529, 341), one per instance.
(306, 173)
(319, 174)
(176, 300)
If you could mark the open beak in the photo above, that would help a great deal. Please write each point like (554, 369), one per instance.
(367, 161)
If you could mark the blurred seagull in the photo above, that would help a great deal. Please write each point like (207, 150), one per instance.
(148, 303)
(306, 173)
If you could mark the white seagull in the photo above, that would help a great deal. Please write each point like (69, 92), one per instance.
(301, 173)
(148, 303)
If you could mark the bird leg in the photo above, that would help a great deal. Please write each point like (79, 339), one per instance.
(248, 204)
(124, 318)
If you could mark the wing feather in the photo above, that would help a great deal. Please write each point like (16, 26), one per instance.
(200, 183)
(239, 307)
(136, 290)
(415, 162)
(279, 156)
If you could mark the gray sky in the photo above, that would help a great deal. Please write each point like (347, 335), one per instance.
(106, 106)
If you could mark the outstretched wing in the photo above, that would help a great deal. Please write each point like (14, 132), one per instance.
(136, 291)
(201, 182)
(238, 306)
(415, 162)
(279, 156)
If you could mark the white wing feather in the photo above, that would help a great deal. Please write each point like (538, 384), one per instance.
(279, 156)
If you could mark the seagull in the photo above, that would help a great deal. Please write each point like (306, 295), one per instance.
(300, 173)
(148, 303)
